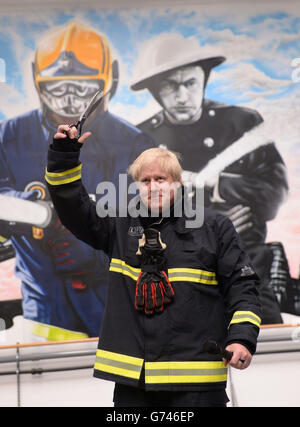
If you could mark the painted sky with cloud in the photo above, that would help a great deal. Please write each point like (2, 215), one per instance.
(259, 46)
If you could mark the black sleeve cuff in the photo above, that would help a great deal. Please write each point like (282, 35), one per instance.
(66, 145)
(59, 161)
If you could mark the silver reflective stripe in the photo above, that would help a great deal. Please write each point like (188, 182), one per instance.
(119, 266)
(199, 277)
(158, 372)
(185, 372)
(174, 274)
(61, 178)
(118, 364)
(58, 178)
(187, 274)
(245, 316)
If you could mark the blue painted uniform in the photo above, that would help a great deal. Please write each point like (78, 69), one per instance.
(52, 293)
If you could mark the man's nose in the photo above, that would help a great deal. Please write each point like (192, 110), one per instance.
(154, 185)
(181, 93)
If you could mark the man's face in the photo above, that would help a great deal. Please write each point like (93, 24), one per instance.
(181, 93)
(157, 188)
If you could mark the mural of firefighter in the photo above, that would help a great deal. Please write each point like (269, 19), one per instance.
(63, 280)
(215, 88)
(249, 179)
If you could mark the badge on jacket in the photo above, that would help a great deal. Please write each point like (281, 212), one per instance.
(247, 271)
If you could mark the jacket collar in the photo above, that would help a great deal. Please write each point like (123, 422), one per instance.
(179, 215)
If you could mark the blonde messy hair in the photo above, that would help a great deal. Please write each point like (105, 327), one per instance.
(167, 160)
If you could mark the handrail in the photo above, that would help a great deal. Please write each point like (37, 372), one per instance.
(280, 325)
(45, 343)
(86, 340)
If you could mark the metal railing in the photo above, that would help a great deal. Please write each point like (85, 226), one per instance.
(80, 354)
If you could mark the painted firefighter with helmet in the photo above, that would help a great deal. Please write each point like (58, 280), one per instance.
(227, 147)
(62, 280)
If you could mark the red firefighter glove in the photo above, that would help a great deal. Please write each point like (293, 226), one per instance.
(72, 259)
(153, 288)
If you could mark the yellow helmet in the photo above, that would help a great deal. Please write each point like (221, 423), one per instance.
(73, 52)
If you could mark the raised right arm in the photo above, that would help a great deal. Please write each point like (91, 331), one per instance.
(73, 205)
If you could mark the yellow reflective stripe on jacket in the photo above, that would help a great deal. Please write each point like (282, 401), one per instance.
(58, 178)
(245, 316)
(184, 372)
(192, 275)
(53, 333)
(118, 364)
(121, 267)
(175, 274)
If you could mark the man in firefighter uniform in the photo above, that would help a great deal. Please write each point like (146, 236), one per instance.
(244, 174)
(171, 287)
(63, 280)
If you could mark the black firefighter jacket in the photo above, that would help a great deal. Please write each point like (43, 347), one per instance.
(215, 291)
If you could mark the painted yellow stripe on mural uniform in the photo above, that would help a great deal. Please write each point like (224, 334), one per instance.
(65, 177)
(54, 333)
(245, 316)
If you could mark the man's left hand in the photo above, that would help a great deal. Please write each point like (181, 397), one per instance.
(241, 357)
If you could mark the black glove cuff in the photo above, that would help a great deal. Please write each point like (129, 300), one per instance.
(153, 268)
